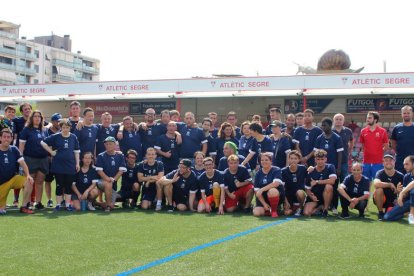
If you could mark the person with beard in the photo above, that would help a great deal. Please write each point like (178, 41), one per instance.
(402, 138)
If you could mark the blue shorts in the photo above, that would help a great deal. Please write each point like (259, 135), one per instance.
(370, 170)
(149, 193)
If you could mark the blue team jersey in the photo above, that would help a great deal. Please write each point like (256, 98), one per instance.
(306, 138)
(103, 133)
(166, 144)
(281, 147)
(19, 123)
(129, 177)
(408, 178)
(382, 176)
(84, 180)
(237, 130)
(294, 180)
(242, 175)
(193, 138)
(262, 180)
(9, 165)
(404, 138)
(50, 132)
(328, 172)
(148, 137)
(268, 130)
(346, 136)
(111, 164)
(184, 185)
(150, 170)
(257, 147)
(206, 184)
(211, 146)
(198, 172)
(73, 125)
(64, 161)
(87, 138)
(9, 124)
(32, 138)
(332, 145)
(220, 145)
(356, 189)
(245, 145)
(223, 165)
(214, 133)
(131, 140)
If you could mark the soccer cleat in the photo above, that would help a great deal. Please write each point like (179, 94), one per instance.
(324, 213)
(90, 206)
(16, 203)
(334, 211)
(63, 203)
(2, 212)
(108, 209)
(69, 208)
(125, 204)
(170, 208)
(273, 213)
(380, 216)
(411, 219)
(50, 203)
(158, 207)
(39, 206)
(344, 215)
(26, 210)
(298, 212)
(57, 207)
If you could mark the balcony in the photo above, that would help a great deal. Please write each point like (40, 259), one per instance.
(88, 69)
(19, 54)
(61, 78)
(8, 35)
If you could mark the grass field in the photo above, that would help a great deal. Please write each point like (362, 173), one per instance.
(96, 243)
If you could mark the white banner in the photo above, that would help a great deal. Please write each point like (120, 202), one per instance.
(337, 81)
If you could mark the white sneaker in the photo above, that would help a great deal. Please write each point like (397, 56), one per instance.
(158, 207)
(298, 212)
(334, 211)
(90, 206)
(411, 219)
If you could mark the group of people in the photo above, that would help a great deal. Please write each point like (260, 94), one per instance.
(291, 166)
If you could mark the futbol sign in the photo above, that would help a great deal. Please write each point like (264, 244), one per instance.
(378, 104)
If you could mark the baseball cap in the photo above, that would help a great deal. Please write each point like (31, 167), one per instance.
(389, 156)
(186, 162)
(109, 139)
(56, 117)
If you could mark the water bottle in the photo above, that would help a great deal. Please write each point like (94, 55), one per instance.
(84, 205)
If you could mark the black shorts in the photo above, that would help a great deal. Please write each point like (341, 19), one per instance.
(125, 194)
(37, 164)
(318, 192)
(179, 197)
(265, 197)
(389, 198)
(149, 193)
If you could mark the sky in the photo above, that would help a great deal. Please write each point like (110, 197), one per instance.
(161, 39)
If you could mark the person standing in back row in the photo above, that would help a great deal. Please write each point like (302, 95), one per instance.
(402, 138)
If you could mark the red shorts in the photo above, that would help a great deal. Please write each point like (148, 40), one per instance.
(241, 193)
(209, 199)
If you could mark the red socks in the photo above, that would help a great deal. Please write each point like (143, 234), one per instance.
(274, 202)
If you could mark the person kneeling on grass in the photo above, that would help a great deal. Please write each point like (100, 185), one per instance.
(211, 185)
(405, 202)
(130, 187)
(319, 185)
(294, 177)
(84, 187)
(269, 188)
(183, 183)
(64, 149)
(149, 172)
(354, 192)
(10, 159)
(110, 166)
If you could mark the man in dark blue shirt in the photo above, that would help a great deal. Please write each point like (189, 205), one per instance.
(193, 138)
(87, 135)
(347, 142)
(129, 139)
(130, 187)
(168, 147)
(402, 137)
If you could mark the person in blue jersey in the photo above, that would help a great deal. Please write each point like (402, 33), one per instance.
(53, 129)
(319, 185)
(161, 124)
(246, 139)
(405, 200)
(84, 185)
(275, 114)
(34, 154)
(294, 176)
(168, 147)
(129, 138)
(347, 141)
(105, 129)
(64, 149)
(149, 172)
(211, 142)
(290, 125)
(402, 137)
(281, 145)
(213, 129)
(232, 120)
(10, 160)
(193, 138)
(305, 138)
(261, 144)
(130, 187)
(238, 186)
(226, 134)
(299, 119)
(87, 135)
(147, 130)
(387, 182)
(184, 186)
(7, 119)
(74, 114)
(230, 148)
(268, 188)
(332, 144)
(211, 184)
(110, 166)
(354, 192)
(198, 167)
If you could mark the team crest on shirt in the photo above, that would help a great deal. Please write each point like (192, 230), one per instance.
(6, 159)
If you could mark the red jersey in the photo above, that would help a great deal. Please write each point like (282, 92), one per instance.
(373, 144)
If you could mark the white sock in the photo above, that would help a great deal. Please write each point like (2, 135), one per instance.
(159, 202)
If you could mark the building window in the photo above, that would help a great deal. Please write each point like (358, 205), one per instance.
(36, 53)
(36, 67)
(49, 42)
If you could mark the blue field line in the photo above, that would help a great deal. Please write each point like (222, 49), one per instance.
(200, 247)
